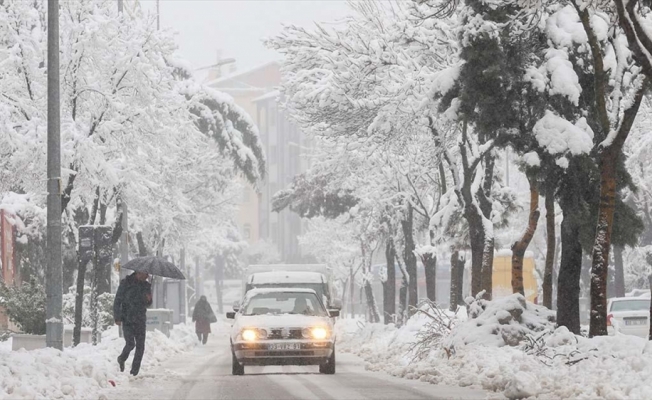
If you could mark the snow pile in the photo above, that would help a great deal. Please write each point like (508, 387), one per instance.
(506, 321)
(83, 371)
(559, 136)
(548, 363)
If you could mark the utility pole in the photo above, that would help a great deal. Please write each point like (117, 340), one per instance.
(124, 240)
(182, 287)
(158, 14)
(53, 283)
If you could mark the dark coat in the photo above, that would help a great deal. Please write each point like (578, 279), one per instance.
(131, 301)
(202, 316)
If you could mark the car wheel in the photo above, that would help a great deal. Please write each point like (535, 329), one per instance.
(236, 367)
(328, 367)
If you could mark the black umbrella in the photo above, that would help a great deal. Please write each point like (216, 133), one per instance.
(154, 266)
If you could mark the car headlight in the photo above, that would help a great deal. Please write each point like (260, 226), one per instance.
(318, 333)
(251, 334)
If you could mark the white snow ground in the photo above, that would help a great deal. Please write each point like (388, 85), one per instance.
(549, 364)
(83, 371)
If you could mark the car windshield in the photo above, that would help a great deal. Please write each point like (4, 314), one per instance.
(630, 305)
(303, 303)
(317, 287)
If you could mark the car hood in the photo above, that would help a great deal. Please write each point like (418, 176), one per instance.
(280, 321)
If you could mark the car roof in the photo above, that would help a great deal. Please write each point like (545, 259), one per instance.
(279, 290)
(286, 277)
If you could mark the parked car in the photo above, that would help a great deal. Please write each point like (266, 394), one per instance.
(291, 279)
(629, 316)
(282, 326)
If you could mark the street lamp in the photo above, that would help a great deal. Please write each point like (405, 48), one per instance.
(53, 282)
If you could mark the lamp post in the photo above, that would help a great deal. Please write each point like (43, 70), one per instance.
(53, 283)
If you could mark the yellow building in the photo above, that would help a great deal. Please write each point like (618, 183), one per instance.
(284, 145)
(244, 87)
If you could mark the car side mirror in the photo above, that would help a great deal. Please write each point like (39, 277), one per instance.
(230, 314)
(334, 313)
(236, 306)
(336, 304)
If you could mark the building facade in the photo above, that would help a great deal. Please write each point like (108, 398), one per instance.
(286, 148)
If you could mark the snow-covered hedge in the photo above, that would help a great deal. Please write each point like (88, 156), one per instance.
(83, 371)
(547, 363)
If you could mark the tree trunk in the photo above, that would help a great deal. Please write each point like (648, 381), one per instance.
(619, 277)
(103, 209)
(476, 236)
(640, 42)
(484, 196)
(602, 245)
(649, 336)
(429, 261)
(352, 291)
(142, 249)
(79, 303)
(555, 273)
(457, 277)
(371, 302)
(568, 286)
(550, 248)
(519, 247)
(403, 296)
(389, 286)
(410, 259)
(487, 266)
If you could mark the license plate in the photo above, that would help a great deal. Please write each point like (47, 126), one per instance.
(284, 346)
(635, 321)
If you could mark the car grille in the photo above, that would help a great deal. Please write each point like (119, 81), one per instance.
(284, 353)
(279, 333)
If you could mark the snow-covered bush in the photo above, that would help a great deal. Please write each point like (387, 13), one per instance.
(507, 321)
(25, 306)
(440, 324)
(105, 304)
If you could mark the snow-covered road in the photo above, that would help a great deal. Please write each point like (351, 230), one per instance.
(205, 373)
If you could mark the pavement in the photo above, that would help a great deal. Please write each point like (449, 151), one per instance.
(205, 373)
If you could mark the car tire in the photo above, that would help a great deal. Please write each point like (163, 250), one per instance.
(328, 367)
(236, 367)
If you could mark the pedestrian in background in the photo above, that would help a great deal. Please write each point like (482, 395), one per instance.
(202, 316)
(133, 297)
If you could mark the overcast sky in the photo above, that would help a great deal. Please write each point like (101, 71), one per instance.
(237, 26)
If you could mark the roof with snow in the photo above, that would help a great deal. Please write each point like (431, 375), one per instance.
(256, 291)
(289, 277)
(271, 95)
(238, 79)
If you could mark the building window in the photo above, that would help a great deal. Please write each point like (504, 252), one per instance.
(246, 231)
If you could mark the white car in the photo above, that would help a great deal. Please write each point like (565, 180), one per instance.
(282, 326)
(629, 316)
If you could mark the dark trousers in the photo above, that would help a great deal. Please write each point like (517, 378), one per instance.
(203, 337)
(134, 337)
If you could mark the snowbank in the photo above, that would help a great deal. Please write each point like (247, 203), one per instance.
(547, 364)
(83, 371)
(506, 321)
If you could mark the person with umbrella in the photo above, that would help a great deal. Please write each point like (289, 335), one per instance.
(133, 297)
(202, 316)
